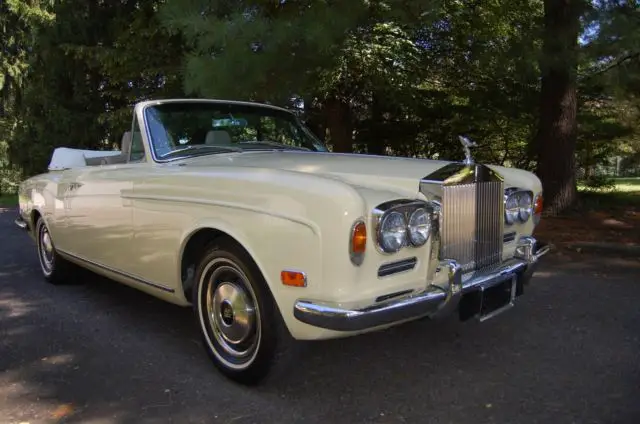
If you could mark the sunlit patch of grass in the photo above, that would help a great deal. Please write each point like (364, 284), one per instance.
(628, 184)
(624, 193)
(614, 184)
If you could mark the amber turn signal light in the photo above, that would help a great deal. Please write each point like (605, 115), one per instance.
(359, 238)
(538, 204)
(293, 278)
(358, 243)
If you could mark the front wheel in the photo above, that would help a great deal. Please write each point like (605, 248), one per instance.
(237, 314)
(55, 269)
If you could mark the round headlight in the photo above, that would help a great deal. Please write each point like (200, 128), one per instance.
(511, 209)
(392, 234)
(419, 227)
(525, 206)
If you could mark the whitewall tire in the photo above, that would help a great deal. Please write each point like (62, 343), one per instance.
(237, 316)
(55, 269)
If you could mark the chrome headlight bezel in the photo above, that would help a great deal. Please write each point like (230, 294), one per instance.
(408, 209)
(518, 205)
(419, 227)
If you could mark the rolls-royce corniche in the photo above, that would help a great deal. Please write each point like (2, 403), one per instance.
(237, 210)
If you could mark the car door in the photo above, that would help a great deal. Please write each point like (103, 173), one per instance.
(156, 225)
(57, 218)
(98, 215)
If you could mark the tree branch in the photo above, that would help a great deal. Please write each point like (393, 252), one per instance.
(615, 64)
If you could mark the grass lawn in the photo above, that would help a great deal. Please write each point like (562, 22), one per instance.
(625, 195)
(628, 184)
(8, 200)
(607, 215)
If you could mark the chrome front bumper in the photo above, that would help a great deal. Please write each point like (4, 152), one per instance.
(438, 299)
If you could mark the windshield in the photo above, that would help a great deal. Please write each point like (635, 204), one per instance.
(182, 129)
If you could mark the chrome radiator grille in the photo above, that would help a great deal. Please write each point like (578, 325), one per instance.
(472, 224)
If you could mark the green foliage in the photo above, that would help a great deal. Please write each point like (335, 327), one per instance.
(9, 174)
(612, 50)
(610, 83)
(399, 77)
(414, 74)
(8, 200)
(273, 50)
(600, 182)
(19, 20)
(88, 68)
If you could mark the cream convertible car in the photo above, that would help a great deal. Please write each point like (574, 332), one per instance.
(238, 210)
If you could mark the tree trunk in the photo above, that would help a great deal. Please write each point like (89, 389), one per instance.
(315, 119)
(316, 127)
(557, 131)
(4, 96)
(375, 142)
(340, 125)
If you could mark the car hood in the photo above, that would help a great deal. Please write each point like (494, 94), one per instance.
(375, 172)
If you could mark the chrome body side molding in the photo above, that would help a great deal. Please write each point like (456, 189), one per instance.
(133, 278)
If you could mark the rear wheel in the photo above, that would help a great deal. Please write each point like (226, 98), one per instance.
(240, 323)
(55, 269)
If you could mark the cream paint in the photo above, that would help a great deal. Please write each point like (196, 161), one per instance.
(290, 210)
(100, 191)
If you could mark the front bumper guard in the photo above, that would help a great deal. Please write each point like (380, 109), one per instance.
(21, 223)
(439, 299)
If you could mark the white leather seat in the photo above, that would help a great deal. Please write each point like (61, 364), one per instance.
(125, 149)
(125, 144)
(123, 157)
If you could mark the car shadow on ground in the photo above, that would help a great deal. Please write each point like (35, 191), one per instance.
(101, 350)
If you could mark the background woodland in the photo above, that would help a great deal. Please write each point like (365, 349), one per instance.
(551, 86)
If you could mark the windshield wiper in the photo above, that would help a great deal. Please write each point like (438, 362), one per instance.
(193, 147)
(274, 144)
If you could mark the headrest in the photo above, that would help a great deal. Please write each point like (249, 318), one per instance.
(218, 137)
(125, 144)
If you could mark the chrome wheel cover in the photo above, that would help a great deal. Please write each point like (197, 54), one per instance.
(45, 250)
(229, 314)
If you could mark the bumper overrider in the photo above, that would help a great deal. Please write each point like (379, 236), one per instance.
(481, 294)
(21, 223)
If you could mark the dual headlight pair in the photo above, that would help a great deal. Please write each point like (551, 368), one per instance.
(409, 224)
(397, 224)
(403, 225)
(518, 206)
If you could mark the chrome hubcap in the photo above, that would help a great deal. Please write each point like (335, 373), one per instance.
(46, 249)
(232, 314)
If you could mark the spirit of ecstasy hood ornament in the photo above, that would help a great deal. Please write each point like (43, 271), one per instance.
(467, 144)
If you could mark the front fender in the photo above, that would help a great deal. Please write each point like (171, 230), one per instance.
(273, 242)
(40, 194)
